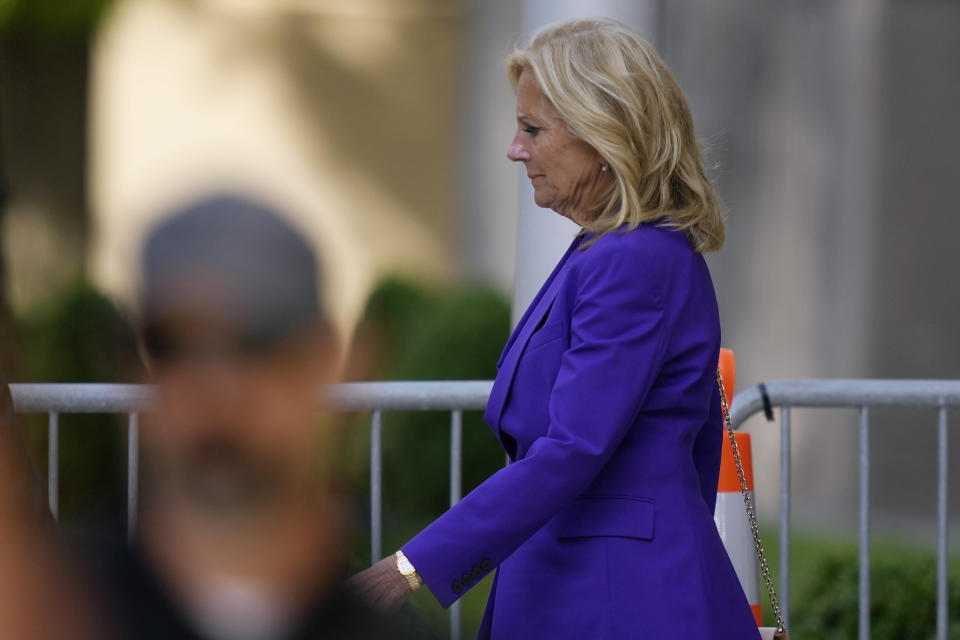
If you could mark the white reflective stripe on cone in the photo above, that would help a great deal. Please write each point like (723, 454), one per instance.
(734, 527)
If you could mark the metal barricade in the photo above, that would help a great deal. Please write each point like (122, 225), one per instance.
(374, 397)
(459, 396)
(862, 395)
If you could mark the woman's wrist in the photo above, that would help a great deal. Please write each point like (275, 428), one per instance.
(407, 570)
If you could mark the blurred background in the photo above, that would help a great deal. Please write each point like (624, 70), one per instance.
(382, 126)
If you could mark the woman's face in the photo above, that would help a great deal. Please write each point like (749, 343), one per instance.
(567, 174)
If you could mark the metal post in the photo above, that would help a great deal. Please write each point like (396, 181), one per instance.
(53, 463)
(864, 526)
(133, 471)
(942, 525)
(785, 514)
(456, 475)
(376, 482)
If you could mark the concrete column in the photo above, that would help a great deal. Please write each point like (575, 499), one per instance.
(488, 192)
(542, 235)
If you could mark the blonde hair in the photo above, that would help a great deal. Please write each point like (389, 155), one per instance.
(614, 92)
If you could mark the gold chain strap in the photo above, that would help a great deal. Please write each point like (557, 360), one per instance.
(751, 512)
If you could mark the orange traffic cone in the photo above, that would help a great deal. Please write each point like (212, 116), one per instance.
(730, 516)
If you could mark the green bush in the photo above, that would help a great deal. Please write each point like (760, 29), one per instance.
(418, 333)
(81, 337)
(52, 18)
(436, 335)
(903, 597)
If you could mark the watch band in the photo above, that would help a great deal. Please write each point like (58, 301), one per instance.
(406, 569)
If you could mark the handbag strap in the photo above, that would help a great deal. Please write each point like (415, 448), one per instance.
(748, 503)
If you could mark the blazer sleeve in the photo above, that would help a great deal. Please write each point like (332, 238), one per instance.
(618, 340)
(707, 448)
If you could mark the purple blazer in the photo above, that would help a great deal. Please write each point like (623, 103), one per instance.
(606, 402)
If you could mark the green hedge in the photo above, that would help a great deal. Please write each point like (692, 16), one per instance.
(824, 588)
(426, 334)
(902, 597)
(81, 337)
(413, 332)
(52, 19)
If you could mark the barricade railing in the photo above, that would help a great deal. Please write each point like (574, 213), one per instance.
(459, 396)
(373, 397)
(862, 395)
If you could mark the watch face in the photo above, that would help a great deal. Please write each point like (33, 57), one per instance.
(405, 566)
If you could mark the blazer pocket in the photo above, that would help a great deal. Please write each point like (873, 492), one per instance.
(545, 334)
(619, 516)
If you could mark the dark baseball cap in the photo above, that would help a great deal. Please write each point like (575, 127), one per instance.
(233, 261)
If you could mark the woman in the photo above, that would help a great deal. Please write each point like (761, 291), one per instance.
(605, 398)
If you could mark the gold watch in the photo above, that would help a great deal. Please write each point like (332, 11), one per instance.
(405, 567)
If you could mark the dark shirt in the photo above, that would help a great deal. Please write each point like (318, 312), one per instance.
(138, 607)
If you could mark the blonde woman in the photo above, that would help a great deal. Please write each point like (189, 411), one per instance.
(606, 398)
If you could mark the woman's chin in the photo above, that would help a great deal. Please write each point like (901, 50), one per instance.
(541, 200)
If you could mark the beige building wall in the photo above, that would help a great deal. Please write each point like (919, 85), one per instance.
(341, 112)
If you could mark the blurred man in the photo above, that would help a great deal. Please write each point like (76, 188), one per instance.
(241, 535)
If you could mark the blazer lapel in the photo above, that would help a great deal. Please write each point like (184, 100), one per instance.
(525, 318)
(521, 335)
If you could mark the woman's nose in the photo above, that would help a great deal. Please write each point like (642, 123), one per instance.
(516, 152)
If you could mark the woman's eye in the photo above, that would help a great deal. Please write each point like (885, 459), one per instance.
(532, 130)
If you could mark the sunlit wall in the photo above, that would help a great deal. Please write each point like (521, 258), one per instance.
(343, 113)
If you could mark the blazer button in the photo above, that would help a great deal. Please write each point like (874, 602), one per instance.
(466, 579)
(476, 573)
(485, 564)
(456, 587)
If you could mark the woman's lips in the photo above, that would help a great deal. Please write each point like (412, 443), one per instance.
(532, 178)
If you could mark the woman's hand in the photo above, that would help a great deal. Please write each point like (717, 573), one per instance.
(381, 585)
